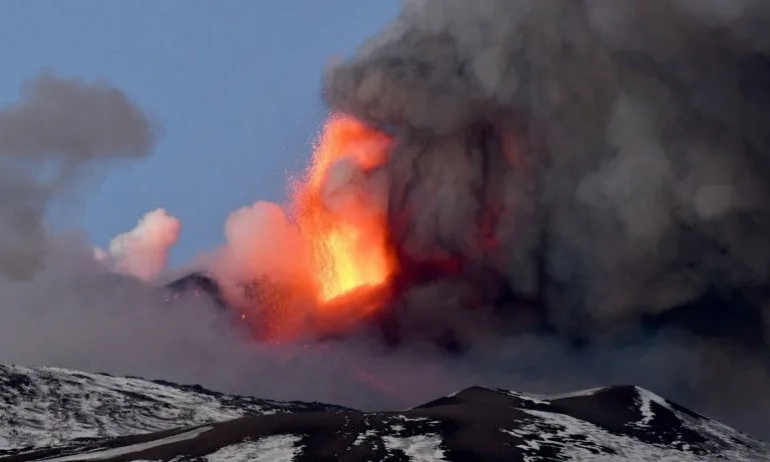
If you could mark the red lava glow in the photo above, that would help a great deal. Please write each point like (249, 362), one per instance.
(350, 262)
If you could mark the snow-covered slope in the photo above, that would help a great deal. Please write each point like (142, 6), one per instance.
(48, 407)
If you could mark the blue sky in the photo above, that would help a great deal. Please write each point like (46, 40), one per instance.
(234, 83)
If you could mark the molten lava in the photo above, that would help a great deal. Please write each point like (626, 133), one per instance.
(342, 223)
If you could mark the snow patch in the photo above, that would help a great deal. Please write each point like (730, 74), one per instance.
(574, 394)
(411, 419)
(133, 448)
(364, 436)
(525, 397)
(577, 440)
(48, 407)
(645, 400)
(422, 448)
(278, 448)
(547, 399)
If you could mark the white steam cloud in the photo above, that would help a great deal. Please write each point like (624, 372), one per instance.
(143, 251)
(259, 241)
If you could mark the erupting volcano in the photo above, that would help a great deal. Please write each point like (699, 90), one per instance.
(535, 195)
(343, 268)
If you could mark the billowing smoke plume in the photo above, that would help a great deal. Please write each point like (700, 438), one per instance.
(259, 242)
(604, 161)
(57, 131)
(615, 155)
(143, 251)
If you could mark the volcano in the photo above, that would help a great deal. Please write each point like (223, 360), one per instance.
(589, 174)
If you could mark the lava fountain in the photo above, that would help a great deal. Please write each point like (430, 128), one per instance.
(343, 228)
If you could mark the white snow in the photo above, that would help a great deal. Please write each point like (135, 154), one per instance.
(410, 419)
(574, 394)
(546, 399)
(132, 448)
(527, 397)
(364, 436)
(59, 405)
(421, 448)
(278, 448)
(50, 406)
(721, 434)
(645, 400)
(576, 440)
(569, 439)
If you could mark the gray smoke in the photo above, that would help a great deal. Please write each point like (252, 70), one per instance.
(625, 145)
(608, 158)
(58, 131)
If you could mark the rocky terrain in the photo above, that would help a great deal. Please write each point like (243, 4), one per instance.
(48, 407)
(61, 415)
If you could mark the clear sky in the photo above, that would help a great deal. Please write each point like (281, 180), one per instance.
(234, 83)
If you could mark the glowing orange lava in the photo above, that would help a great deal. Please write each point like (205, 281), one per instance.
(344, 229)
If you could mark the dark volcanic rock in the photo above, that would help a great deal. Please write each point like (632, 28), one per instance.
(195, 285)
(476, 424)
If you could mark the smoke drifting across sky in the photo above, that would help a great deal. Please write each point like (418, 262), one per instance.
(625, 175)
(48, 140)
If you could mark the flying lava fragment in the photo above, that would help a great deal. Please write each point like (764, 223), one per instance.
(343, 228)
(344, 232)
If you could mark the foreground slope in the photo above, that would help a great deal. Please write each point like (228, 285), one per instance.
(51, 406)
(615, 423)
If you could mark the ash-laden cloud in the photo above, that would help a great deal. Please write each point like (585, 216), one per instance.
(607, 158)
(605, 161)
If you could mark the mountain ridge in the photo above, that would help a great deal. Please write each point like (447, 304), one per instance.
(62, 415)
(51, 406)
